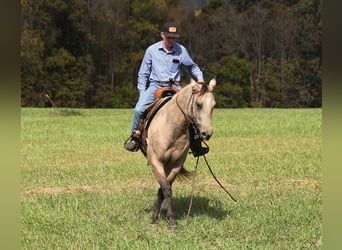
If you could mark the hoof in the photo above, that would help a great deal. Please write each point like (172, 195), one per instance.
(172, 227)
(153, 224)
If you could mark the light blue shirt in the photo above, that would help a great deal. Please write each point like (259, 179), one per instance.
(160, 65)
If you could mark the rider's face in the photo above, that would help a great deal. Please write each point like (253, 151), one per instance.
(168, 41)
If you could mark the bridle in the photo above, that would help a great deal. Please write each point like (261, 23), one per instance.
(190, 119)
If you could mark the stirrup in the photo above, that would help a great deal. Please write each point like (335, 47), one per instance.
(132, 143)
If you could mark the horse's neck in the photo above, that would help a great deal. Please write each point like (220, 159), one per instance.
(181, 106)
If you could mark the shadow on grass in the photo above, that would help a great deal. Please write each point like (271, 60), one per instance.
(212, 207)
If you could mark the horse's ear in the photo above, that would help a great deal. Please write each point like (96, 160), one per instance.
(193, 82)
(212, 84)
(195, 86)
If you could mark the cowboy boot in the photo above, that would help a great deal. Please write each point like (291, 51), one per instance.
(133, 144)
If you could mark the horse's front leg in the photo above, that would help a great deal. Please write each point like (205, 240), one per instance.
(156, 212)
(164, 193)
(167, 192)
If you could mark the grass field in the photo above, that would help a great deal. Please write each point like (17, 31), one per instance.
(81, 190)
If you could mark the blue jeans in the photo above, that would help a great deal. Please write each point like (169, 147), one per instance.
(145, 99)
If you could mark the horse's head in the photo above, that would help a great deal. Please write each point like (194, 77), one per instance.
(203, 106)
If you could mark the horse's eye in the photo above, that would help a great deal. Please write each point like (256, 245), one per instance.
(198, 105)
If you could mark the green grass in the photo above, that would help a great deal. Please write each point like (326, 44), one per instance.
(81, 190)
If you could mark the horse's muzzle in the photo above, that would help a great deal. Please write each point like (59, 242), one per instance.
(206, 135)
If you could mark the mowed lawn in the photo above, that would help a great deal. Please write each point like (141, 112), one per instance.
(81, 190)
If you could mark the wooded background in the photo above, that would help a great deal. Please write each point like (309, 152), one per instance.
(86, 53)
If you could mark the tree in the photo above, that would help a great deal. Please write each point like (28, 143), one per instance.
(308, 14)
(66, 81)
(32, 50)
(87, 53)
(232, 74)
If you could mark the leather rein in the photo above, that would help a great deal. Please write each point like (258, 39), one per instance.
(189, 118)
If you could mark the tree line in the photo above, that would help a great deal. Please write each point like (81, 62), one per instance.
(87, 53)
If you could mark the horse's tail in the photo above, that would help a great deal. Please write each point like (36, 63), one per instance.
(184, 174)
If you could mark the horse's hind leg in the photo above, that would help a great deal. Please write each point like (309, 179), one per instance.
(156, 212)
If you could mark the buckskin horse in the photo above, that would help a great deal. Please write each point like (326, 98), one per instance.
(169, 139)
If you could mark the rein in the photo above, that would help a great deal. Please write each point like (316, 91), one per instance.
(218, 182)
(193, 183)
(189, 119)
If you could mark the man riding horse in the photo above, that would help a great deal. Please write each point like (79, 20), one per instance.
(161, 66)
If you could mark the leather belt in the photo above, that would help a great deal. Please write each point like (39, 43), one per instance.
(167, 82)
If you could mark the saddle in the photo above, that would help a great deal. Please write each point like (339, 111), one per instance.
(162, 95)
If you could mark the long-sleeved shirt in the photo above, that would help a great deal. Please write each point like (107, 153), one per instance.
(161, 65)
